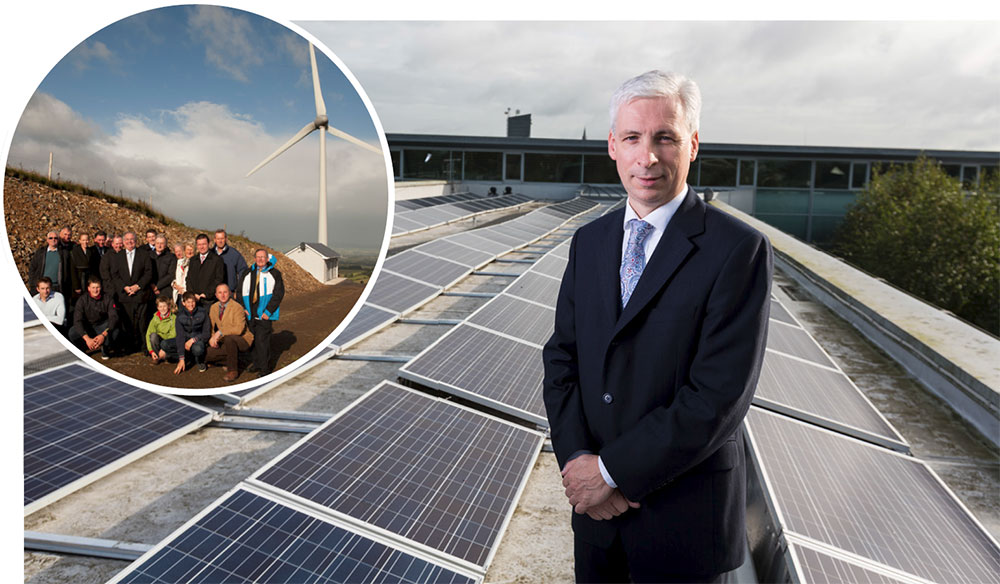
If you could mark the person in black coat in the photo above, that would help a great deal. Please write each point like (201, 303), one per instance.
(52, 261)
(132, 272)
(193, 331)
(95, 321)
(104, 267)
(164, 266)
(82, 260)
(205, 272)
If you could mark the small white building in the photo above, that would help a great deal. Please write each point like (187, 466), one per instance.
(317, 259)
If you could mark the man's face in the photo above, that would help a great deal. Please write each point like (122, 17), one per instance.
(44, 289)
(99, 240)
(116, 244)
(52, 239)
(653, 149)
(65, 234)
(220, 240)
(222, 293)
(94, 289)
(161, 245)
(260, 258)
(151, 237)
(202, 245)
(129, 241)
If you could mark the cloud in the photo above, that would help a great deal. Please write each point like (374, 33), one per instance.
(192, 165)
(227, 37)
(85, 53)
(896, 84)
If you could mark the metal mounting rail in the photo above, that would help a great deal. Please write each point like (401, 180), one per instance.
(37, 541)
(448, 321)
(380, 358)
(500, 274)
(470, 294)
(514, 261)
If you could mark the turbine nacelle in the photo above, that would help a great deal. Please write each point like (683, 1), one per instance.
(321, 121)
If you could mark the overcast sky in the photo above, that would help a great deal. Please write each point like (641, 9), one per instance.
(887, 84)
(178, 104)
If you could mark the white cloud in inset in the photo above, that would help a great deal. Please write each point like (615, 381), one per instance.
(228, 39)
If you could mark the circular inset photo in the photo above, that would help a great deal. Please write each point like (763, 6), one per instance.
(196, 198)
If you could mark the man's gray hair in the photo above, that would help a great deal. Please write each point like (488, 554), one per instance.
(656, 83)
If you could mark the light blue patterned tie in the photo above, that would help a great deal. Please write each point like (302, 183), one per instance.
(634, 260)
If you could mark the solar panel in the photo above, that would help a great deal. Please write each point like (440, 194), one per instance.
(456, 252)
(501, 237)
(817, 566)
(485, 367)
(29, 315)
(247, 537)
(405, 223)
(422, 468)
(420, 266)
(80, 425)
(474, 240)
(399, 294)
(512, 229)
(796, 342)
(779, 312)
(516, 317)
(535, 287)
(551, 265)
(368, 319)
(828, 397)
(868, 501)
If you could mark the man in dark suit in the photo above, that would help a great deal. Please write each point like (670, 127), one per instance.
(660, 330)
(205, 271)
(107, 261)
(132, 272)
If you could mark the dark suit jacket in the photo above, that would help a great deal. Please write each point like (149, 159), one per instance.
(104, 269)
(142, 274)
(165, 268)
(660, 389)
(203, 278)
(36, 269)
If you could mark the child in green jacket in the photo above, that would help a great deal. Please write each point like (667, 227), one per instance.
(161, 331)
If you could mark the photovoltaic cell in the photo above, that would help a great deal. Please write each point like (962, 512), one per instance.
(822, 392)
(399, 294)
(429, 269)
(517, 318)
(249, 538)
(505, 373)
(871, 502)
(77, 422)
(419, 467)
(796, 342)
(536, 287)
(368, 318)
(817, 566)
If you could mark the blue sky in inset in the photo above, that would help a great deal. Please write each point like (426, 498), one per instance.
(179, 103)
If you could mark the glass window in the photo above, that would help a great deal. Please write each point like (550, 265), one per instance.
(781, 201)
(428, 164)
(394, 155)
(832, 202)
(970, 177)
(859, 175)
(783, 173)
(746, 172)
(953, 170)
(794, 225)
(564, 168)
(483, 165)
(832, 174)
(513, 167)
(718, 172)
(599, 169)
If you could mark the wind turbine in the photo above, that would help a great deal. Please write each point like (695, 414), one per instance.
(322, 124)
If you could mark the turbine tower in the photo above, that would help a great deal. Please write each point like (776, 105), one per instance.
(322, 124)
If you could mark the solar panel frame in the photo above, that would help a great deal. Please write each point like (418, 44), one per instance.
(795, 341)
(258, 478)
(427, 268)
(366, 322)
(807, 565)
(536, 287)
(314, 530)
(516, 317)
(782, 314)
(431, 368)
(456, 252)
(882, 500)
(397, 293)
(91, 440)
(492, 233)
(480, 242)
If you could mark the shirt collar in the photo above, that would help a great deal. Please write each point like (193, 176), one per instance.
(659, 217)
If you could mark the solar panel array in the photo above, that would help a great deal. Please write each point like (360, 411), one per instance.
(400, 486)
(29, 315)
(418, 214)
(247, 537)
(414, 276)
(79, 425)
(861, 500)
(494, 357)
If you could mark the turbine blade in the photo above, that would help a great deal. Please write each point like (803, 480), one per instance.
(302, 134)
(317, 92)
(353, 140)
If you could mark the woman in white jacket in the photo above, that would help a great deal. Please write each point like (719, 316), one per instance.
(184, 255)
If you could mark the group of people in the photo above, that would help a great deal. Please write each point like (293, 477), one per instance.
(195, 305)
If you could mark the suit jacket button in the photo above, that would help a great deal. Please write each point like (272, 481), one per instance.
(608, 398)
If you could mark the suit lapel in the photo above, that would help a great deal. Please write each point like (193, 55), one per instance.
(674, 247)
(608, 266)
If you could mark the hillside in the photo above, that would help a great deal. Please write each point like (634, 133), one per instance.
(31, 209)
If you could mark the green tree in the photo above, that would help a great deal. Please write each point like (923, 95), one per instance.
(915, 227)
